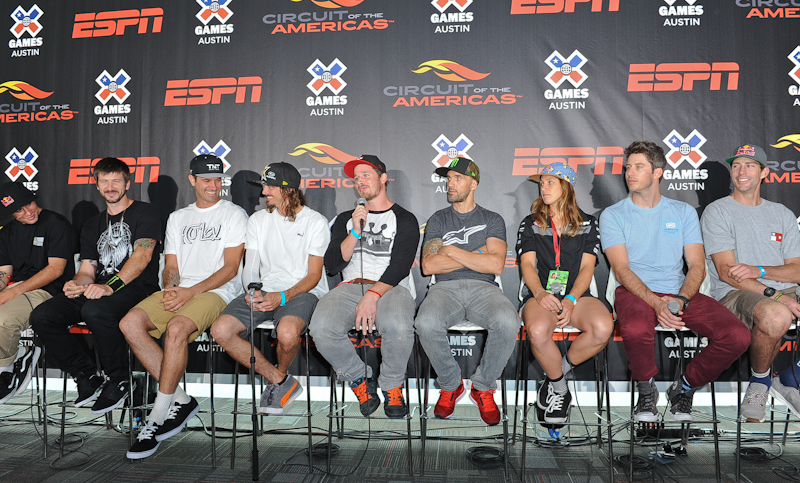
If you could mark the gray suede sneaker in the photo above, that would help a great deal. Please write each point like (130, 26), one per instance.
(276, 397)
(789, 396)
(754, 403)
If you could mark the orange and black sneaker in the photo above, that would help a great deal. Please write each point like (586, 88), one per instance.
(447, 402)
(367, 394)
(394, 404)
(490, 414)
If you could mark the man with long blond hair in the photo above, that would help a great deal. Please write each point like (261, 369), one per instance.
(646, 238)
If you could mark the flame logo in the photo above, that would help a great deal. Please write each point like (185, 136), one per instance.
(326, 153)
(449, 70)
(334, 4)
(788, 141)
(23, 90)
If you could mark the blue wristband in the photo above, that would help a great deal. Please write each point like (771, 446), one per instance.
(353, 232)
(763, 273)
(571, 298)
(480, 252)
(283, 299)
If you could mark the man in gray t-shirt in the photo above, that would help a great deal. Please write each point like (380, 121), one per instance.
(465, 249)
(754, 249)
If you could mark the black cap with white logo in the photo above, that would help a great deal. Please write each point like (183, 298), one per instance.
(207, 166)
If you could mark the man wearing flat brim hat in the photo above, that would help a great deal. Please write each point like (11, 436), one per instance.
(284, 251)
(36, 250)
(754, 245)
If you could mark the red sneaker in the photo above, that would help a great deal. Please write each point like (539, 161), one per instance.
(447, 402)
(490, 414)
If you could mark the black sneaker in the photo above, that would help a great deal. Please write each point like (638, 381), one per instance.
(680, 401)
(178, 416)
(111, 397)
(24, 365)
(146, 443)
(394, 404)
(367, 395)
(558, 405)
(8, 386)
(541, 394)
(646, 410)
(88, 388)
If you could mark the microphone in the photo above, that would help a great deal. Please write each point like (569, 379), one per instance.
(361, 202)
(674, 307)
(254, 286)
(556, 287)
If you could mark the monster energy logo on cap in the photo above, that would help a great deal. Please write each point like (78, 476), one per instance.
(461, 165)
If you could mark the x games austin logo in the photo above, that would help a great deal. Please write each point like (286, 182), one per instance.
(447, 151)
(21, 164)
(566, 69)
(26, 21)
(454, 21)
(681, 13)
(461, 94)
(685, 149)
(216, 13)
(326, 77)
(112, 87)
(334, 19)
(794, 73)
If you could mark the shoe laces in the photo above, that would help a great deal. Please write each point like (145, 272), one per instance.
(554, 400)
(684, 402)
(395, 396)
(646, 401)
(147, 431)
(756, 397)
(486, 397)
(361, 392)
(172, 413)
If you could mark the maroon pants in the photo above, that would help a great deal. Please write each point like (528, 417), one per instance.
(728, 337)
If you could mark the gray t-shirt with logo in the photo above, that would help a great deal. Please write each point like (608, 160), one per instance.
(764, 235)
(467, 231)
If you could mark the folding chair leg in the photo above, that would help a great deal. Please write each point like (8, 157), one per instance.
(308, 404)
(424, 417)
(235, 410)
(213, 410)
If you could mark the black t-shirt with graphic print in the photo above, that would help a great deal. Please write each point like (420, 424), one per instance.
(109, 240)
(467, 231)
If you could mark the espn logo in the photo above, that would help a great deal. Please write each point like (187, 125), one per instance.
(106, 24)
(80, 170)
(521, 7)
(529, 161)
(675, 77)
(197, 92)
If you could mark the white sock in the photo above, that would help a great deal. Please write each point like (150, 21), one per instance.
(160, 408)
(7, 368)
(180, 396)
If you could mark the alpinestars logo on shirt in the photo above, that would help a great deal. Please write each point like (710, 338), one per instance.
(461, 236)
(200, 232)
(114, 247)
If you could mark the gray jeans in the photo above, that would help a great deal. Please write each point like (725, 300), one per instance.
(483, 304)
(335, 315)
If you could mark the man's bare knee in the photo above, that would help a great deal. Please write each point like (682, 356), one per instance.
(135, 322)
(772, 319)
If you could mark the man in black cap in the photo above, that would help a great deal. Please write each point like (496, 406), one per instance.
(754, 249)
(373, 246)
(119, 267)
(36, 248)
(202, 253)
(465, 247)
(284, 251)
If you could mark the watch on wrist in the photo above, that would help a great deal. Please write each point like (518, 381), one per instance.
(685, 301)
(769, 292)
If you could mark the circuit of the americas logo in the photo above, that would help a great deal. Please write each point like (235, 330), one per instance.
(21, 164)
(326, 77)
(566, 69)
(220, 150)
(449, 150)
(685, 149)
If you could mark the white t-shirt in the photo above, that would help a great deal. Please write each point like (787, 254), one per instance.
(199, 237)
(284, 246)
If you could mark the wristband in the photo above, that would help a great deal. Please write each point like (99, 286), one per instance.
(537, 293)
(283, 299)
(479, 251)
(375, 292)
(353, 232)
(763, 273)
(778, 295)
(115, 283)
(570, 297)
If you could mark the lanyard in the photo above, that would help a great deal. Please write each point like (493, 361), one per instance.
(556, 245)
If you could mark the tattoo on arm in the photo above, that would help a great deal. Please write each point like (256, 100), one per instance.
(431, 246)
(148, 243)
(171, 279)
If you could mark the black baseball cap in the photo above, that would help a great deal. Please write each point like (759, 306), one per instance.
(13, 196)
(463, 166)
(369, 159)
(279, 174)
(207, 166)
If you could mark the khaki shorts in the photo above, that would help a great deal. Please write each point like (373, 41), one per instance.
(202, 309)
(743, 302)
(14, 317)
